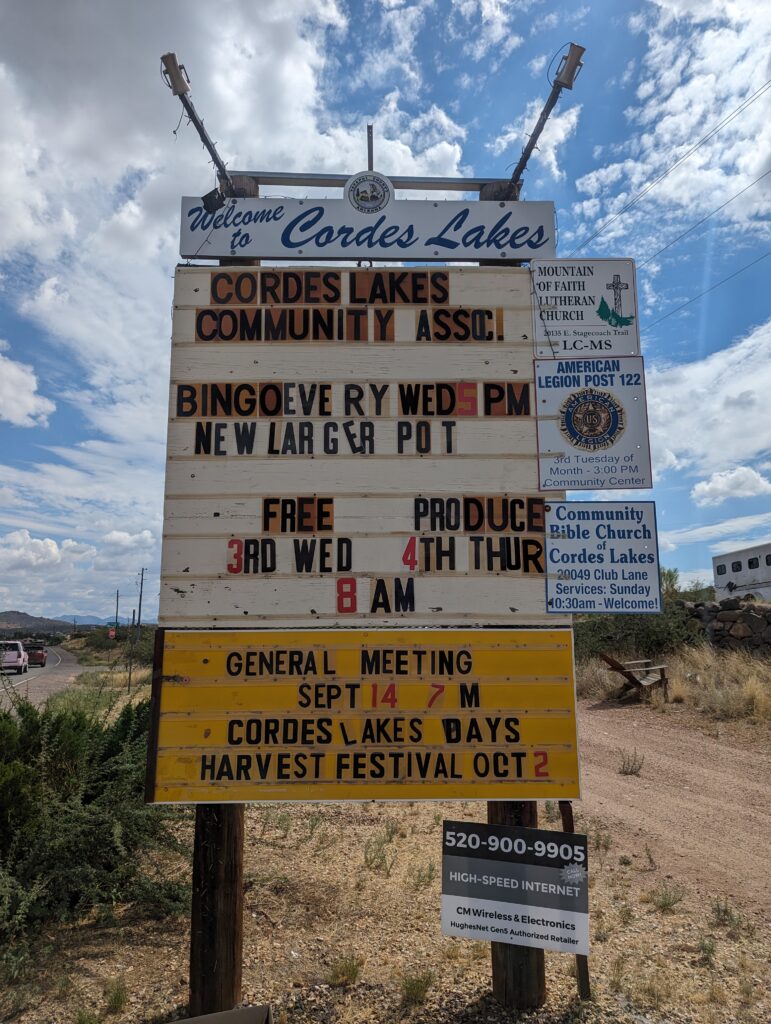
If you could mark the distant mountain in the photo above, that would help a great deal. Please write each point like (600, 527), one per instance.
(94, 620)
(33, 623)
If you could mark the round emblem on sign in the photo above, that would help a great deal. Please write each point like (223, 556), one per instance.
(591, 420)
(368, 192)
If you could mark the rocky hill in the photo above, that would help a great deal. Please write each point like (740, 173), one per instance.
(15, 620)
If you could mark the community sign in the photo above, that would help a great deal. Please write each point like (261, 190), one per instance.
(584, 307)
(592, 424)
(370, 223)
(522, 886)
(362, 715)
(353, 448)
(602, 557)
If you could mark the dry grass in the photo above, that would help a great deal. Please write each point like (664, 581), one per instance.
(721, 684)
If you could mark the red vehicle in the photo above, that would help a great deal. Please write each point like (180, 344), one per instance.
(38, 655)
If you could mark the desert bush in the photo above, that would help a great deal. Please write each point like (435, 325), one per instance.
(627, 636)
(345, 971)
(73, 822)
(415, 988)
(631, 763)
(665, 897)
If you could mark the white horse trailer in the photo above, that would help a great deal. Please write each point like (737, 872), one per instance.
(743, 572)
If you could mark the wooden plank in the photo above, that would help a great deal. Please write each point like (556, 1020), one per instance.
(370, 475)
(208, 558)
(356, 515)
(193, 362)
(244, 601)
(466, 285)
(335, 438)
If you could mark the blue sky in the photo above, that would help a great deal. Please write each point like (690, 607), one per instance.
(91, 174)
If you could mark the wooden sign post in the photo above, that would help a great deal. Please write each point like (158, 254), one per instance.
(519, 972)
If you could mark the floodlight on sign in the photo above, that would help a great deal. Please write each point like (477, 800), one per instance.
(570, 65)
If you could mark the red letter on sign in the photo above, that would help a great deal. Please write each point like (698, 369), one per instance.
(236, 547)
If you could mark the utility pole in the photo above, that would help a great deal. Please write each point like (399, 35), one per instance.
(139, 613)
(567, 72)
(176, 78)
(117, 597)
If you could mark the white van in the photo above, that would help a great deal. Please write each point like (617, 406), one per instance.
(15, 658)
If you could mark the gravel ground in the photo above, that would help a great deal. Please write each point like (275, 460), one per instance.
(692, 827)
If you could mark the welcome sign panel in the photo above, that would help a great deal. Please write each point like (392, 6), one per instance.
(352, 448)
(343, 714)
(335, 229)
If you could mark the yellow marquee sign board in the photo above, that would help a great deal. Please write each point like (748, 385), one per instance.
(368, 714)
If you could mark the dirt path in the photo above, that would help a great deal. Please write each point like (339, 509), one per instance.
(40, 683)
(701, 803)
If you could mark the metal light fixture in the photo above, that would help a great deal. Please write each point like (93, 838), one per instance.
(570, 65)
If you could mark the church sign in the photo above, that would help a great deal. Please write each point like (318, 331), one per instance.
(368, 223)
(602, 558)
(585, 307)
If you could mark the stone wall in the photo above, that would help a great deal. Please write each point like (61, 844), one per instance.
(734, 624)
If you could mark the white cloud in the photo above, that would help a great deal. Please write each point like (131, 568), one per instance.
(91, 199)
(20, 551)
(703, 59)
(494, 19)
(723, 533)
(711, 415)
(19, 402)
(559, 128)
(537, 64)
(742, 482)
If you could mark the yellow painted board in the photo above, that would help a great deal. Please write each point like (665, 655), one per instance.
(363, 714)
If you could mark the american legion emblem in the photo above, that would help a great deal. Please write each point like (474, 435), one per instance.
(591, 420)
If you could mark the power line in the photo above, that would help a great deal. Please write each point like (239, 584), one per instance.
(703, 219)
(712, 132)
(701, 295)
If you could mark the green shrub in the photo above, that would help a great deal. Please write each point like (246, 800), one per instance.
(73, 822)
(648, 636)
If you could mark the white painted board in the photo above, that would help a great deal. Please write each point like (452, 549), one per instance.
(592, 424)
(585, 307)
(412, 229)
(602, 558)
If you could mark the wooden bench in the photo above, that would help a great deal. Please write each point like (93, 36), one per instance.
(640, 677)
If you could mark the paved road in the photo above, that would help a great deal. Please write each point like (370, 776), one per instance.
(40, 683)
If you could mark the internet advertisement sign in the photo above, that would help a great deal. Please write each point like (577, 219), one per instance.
(592, 424)
(585, 307)
(602, 558)
(522, 886)
(368, 222)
